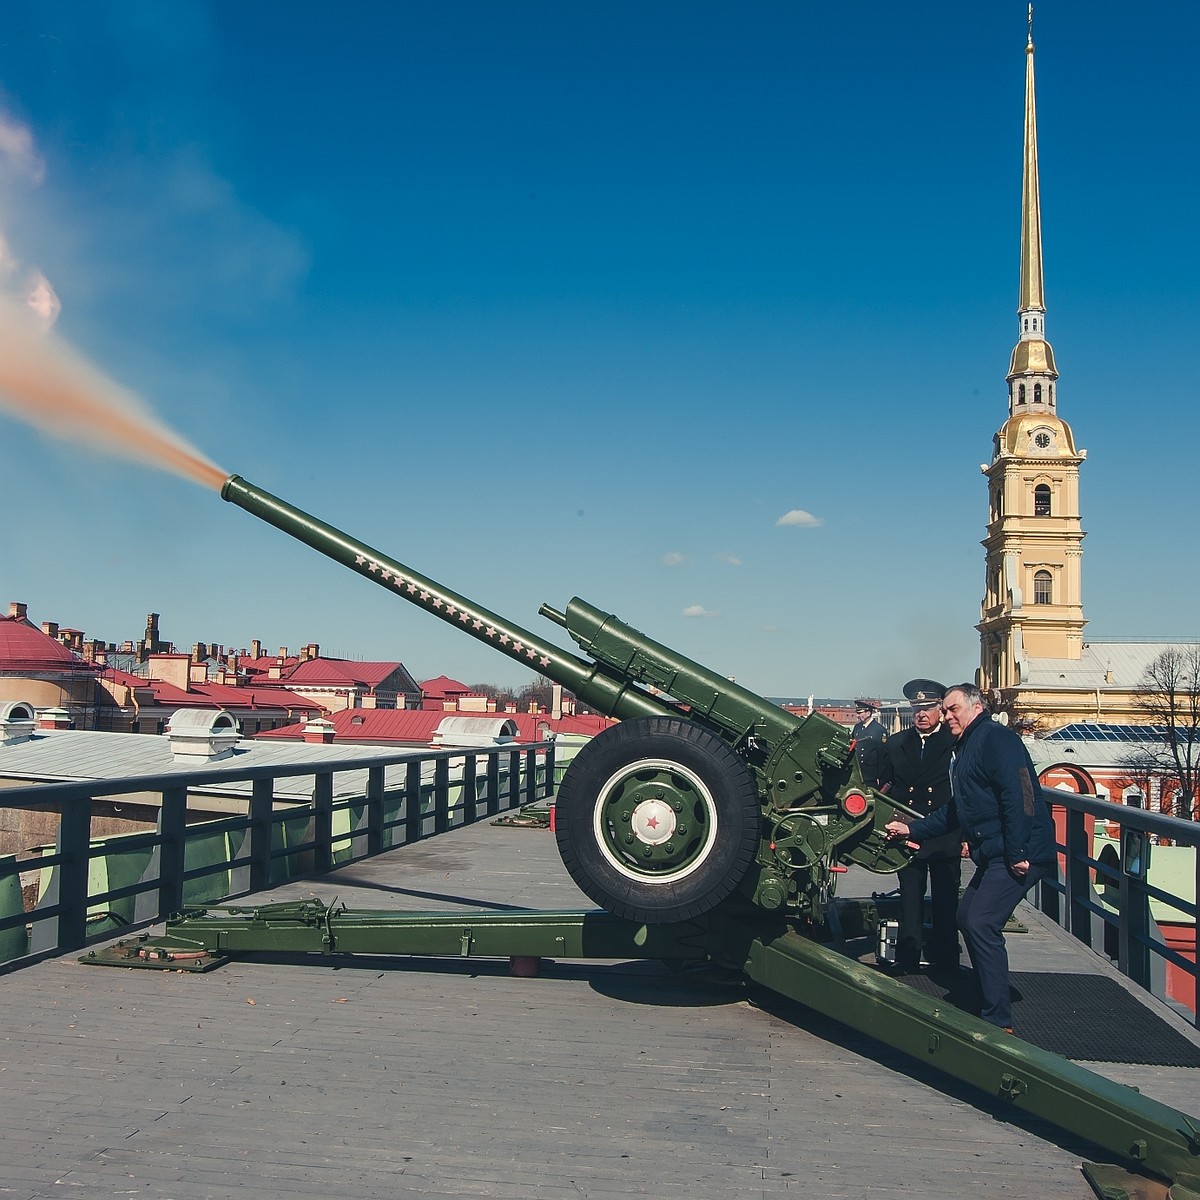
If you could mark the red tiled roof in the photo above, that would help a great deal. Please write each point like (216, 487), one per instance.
(216, 695)
(411, 726)
(223, 695)
(443, 686)
(24, 647)
(264, 663)
(323, 672)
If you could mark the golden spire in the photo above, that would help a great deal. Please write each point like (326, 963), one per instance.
(1032, 356)
(1032, 293)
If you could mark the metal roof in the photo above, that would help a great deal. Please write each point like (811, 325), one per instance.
(1102, 665)
(73, 754)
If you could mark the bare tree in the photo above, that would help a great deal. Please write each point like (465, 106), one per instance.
(538, 692)
(1169, 699)
(502, 695)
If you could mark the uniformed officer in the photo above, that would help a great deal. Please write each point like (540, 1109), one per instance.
(869, 738)
(915, 770)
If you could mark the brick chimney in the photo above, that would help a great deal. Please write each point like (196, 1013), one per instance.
(18, 610)
(50, 629)
(318, 732)
(197, 673)
(54, 718)
(170, 668)
(256, 649)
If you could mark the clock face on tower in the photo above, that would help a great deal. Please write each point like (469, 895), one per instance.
(1042, 440)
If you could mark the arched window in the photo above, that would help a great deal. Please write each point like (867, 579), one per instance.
(1041, 500)
(1026, 324)
(1051, 390)
(1037, 393)
(1041, 588)
(1021, 393)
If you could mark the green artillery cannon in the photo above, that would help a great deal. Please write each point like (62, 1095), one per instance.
(711, 825)
(705, 792)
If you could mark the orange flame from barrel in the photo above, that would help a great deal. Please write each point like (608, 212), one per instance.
(50, 385)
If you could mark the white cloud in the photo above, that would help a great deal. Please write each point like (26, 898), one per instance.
(674, 559)
(42, 299)
(698, 610)
(799, 518)
(18, 151)
(731, 559)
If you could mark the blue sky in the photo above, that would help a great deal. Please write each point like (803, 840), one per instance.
(555, 299)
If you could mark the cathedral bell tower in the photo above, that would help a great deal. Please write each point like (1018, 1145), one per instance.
(1033, 605)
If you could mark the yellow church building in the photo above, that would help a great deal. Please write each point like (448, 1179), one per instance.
(1036, 663)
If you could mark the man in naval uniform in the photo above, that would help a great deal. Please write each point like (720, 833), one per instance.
(915, 769)
(869, 738)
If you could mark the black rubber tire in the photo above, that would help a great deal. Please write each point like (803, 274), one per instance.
(714, 810)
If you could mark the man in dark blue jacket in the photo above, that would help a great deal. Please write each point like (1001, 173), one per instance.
(999, 812)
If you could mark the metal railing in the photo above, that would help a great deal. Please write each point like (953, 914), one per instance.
(1120, 925)
(407, 796)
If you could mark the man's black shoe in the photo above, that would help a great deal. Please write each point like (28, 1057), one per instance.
(948, 971)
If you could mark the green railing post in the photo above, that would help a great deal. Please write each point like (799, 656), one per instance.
(374, 811)
(470, 795)
(441, 795)
(412, 801)
(262, 806)
(74, 845)
(1079, 878)
(171, 850)
(323, 821)
(493, 783)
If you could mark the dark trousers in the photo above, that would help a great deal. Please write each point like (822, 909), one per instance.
(984, 910)
(943, 875)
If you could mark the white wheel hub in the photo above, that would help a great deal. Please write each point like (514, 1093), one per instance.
(653, 822)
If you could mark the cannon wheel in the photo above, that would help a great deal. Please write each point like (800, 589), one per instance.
(657, 820)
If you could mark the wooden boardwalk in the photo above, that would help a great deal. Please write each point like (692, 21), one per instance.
(401, 1078)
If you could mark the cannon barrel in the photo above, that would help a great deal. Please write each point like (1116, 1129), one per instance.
(705, 787)
(609, 696)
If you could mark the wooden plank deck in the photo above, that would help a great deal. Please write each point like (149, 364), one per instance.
(391, 1078)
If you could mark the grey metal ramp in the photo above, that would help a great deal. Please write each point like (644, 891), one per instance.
(392, 1078)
